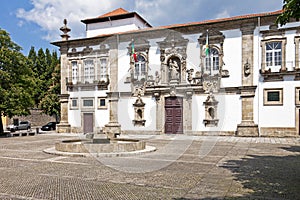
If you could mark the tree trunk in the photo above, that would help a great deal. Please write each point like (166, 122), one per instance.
(1, 124)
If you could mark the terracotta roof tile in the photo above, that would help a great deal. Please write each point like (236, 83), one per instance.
(118, 11)
(225, 19)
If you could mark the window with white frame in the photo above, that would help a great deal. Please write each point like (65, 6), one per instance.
(74, 103)
(140, 67)
(103, 68)
(273, 54)
(89, 71)
(74, 72)
(212, 61)
(273, 97)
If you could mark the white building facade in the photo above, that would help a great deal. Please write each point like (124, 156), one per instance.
(234, 76)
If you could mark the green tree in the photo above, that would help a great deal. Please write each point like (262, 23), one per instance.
(291, 10)
(50, 102)
(16, 79)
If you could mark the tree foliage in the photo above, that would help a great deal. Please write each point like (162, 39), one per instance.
(50, 102)
(47, 72)
(291, 10)
(16, 79)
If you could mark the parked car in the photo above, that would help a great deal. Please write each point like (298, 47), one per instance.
(23, 125)
(49, 127)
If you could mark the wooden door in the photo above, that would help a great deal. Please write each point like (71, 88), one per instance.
(173, 115)
(88, 122)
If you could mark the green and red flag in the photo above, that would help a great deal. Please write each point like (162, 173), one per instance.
(207, 45)
(132, 52)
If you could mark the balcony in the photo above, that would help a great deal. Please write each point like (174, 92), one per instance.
(87, 83)
(277, 73)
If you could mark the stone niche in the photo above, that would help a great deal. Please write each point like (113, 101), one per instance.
(211, 111)
(139, 110)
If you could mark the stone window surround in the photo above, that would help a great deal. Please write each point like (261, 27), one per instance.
(283, 52)
(81, 66)
(220, 55)
(297, 52)
(273, 103)
(98, 103)
(297, 95)
(87, 107)
(71, 104)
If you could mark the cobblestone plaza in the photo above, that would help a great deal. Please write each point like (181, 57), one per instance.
(206, 168)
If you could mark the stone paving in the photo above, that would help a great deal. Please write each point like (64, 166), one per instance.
(183, 167)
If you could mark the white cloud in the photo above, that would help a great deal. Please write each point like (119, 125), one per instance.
(222, 14)
(49, 15)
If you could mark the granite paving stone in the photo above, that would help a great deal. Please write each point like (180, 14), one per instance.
(231, 168)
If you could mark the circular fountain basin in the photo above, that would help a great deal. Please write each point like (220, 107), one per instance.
(117, 145)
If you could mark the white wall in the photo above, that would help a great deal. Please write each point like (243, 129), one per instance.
(123, 67)
(278, 116)
(232, 58)
(101, 115)
(114, 26)
(126, 114)
(229, 113)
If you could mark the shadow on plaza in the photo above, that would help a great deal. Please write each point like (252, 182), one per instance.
(268, 177)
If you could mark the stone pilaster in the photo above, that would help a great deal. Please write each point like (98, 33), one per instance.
(159, 112)
(187, 112)
(247, 55)
(113, 127)
(247, 127)
(64, 126)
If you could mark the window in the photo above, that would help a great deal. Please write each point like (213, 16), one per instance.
(140, 67)
(74, 72)
(74, 103)
(88, 103)
(273, 54)
(103, 68)
(102, 103)
(89, 71)
(212, 61)
(273, 97)
(297, 95)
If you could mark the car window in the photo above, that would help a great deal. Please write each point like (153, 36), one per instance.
(23, 122)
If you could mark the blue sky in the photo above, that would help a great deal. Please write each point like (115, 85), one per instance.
(37, 22)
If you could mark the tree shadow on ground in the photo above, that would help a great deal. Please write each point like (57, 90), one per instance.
(266, 177)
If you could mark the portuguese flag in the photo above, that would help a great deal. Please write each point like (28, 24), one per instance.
(133, 53)
(207, 45)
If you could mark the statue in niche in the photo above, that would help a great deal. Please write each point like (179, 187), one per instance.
(174, 69)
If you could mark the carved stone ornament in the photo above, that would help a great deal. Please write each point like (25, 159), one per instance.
(211, 114)
(211, 86)
(139, 109)
(247, 67)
